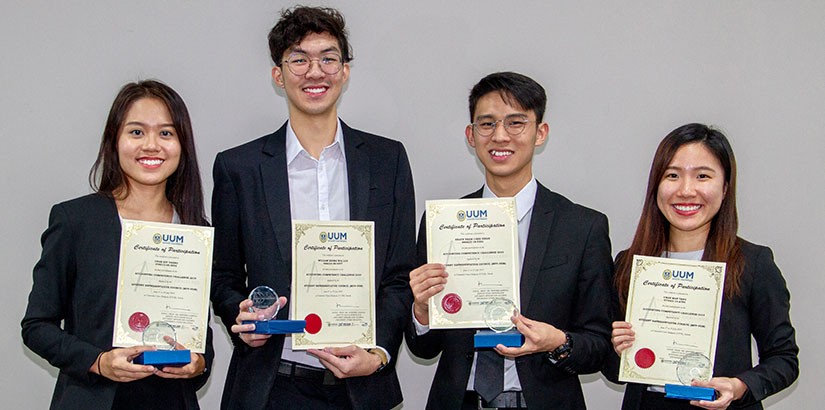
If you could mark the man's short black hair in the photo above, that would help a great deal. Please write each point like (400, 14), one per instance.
(515, 89)
(296, 23)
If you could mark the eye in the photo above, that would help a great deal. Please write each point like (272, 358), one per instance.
(136, 132)
(486, 125)
(330, 60)
(703, 176)
(167, 133)
(516, 124)
(671, 176)
(300, 60)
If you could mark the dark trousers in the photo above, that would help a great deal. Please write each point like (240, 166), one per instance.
(294, 392)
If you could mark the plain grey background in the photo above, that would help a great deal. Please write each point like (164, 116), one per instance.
(619, 75)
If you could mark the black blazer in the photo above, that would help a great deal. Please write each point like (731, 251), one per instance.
(76, 281)
(762, 310)
(251, 214)
(565, 281)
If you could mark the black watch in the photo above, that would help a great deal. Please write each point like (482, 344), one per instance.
(562, 352)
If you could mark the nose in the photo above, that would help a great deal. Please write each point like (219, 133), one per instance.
(687, 187)
(499, 133)
(314, 70)
(150, 143)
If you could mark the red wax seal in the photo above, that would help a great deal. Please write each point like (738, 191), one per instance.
(645, 358)
(138, 321)
(451, 303)
(314, 323)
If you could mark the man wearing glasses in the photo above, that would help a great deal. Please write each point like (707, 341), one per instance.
(314, 167)
(565, 263)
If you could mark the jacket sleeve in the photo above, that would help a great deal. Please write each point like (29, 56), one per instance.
(769, 304)
(590, 327)
(50, 299)
(610, 369)
(394, 295)
(228, 272)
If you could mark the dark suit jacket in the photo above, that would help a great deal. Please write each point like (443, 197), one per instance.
(762, 310)
(76, 281)
(565, 280)
(251, 213)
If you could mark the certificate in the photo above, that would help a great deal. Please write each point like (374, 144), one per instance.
(674, 307)
(164, 275)
(477, 241)
(333, 283)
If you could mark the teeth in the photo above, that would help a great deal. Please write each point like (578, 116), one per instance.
(151, 161)
(497, 153)
(687, 208)
(317, 90)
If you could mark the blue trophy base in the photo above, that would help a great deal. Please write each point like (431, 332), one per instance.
(487, 339)
(277, 327)
(163, 358)
(677, 391)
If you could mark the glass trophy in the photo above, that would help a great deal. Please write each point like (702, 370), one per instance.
(265, 305)
(498, 318)
(692, 366)
(161, 336)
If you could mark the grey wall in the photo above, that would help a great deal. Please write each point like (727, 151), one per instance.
(620, 75)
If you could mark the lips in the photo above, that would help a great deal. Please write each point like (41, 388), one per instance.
(150, 162)
(687, 209)
(500, 154)
(316, 90)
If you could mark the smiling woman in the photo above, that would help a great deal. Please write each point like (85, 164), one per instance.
(146, 169)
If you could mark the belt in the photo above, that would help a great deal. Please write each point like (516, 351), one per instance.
(297, 370)
(505, 400)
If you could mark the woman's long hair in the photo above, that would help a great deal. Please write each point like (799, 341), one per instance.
(652, 234)
(183, 187)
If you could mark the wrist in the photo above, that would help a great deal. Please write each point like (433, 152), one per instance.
(562, 351)
(382, 358)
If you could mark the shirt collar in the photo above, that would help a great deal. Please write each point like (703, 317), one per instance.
(293, 146)
(524, 198)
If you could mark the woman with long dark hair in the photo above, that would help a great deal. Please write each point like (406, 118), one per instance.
(690, 213)
(147, 170)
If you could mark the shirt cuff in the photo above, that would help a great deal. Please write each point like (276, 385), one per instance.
(419, 328)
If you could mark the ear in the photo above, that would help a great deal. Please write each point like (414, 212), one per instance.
(468, 132)
(278, 76)
(542, 131)
(345, 72)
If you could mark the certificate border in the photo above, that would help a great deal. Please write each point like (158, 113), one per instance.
(641, 264)
(205, 236)
(435, 208)
(302, 341)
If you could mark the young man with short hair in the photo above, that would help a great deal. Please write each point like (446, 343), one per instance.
(565, 267)
(314, 167)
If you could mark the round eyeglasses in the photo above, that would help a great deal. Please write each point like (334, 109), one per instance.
(513, 124)
(299, 64)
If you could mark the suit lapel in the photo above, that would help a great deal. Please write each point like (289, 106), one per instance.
(538, 237)
(276, 190)
(358, 175)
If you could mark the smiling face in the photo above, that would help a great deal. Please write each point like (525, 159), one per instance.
(690, 194)
(148, 148)
(507, 159)
(314, 93)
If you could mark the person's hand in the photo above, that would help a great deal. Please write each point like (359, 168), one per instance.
(727, 389)
(425, 281)
(348, 361)
(622, 336)
(538, 337)
(196, 367)
(251, 339)
(116, 364)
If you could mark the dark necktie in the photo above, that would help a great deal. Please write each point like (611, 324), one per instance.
(489, 381)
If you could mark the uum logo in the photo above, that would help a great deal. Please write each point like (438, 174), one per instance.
(167, 238)
(332, 237)
(472, 215)
(677, 275)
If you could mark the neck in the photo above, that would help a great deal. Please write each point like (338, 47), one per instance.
(509, 186)
(681, 241)
(144, 203)
(315, 132)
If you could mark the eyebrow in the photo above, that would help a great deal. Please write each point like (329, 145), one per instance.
(699, 168)
(298, 49)
(143, 124)
(490, 116)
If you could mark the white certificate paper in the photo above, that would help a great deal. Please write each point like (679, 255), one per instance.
(333, 283)
(164, 275)
(674, 307)
(477, 241)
